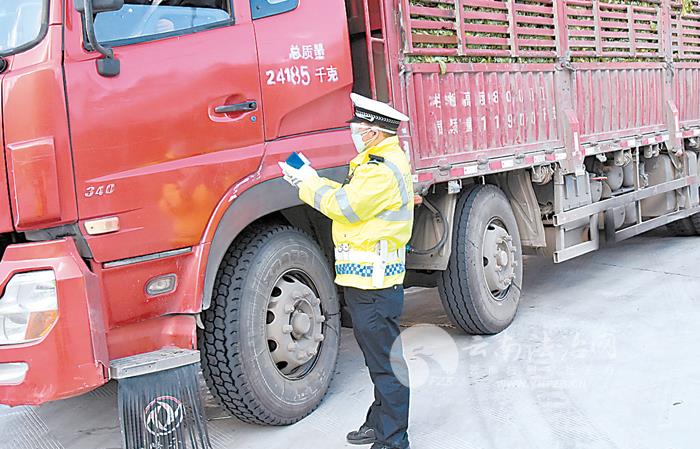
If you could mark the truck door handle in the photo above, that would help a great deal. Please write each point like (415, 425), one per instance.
(238, 107)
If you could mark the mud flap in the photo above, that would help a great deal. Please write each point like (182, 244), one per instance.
(160, 405)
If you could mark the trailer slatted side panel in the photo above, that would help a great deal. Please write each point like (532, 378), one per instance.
(493, 28)
(593, 76)
(685, 33)
(613, 30)
(482, 111)
(686, 47)
(687, 94)
(619, 101)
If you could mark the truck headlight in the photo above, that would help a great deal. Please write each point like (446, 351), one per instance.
(28, 308)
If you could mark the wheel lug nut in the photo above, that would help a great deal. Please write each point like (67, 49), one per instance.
(322, 319)
(289, 308)
(319, 337)
(291, 346)
(316, 301)
(287, 328)
(313, 352)
(301, 354)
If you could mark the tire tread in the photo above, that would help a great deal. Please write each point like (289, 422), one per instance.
(686, 227)
(221, 357)
(695, 220)
(454, 289)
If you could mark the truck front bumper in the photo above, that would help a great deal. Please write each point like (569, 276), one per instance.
(72, 357)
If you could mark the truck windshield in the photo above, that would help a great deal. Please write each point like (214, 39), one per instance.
(137, 22)
(21, 24)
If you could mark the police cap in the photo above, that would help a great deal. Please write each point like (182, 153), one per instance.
(376, 113)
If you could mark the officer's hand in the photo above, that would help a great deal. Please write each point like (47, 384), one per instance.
(287, 172)
(295, 176)
(307, 171)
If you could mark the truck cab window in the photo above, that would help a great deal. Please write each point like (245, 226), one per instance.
(266, 8)
(140, 20)
(20, 23)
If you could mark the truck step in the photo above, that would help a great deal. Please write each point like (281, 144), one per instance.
(152, 362)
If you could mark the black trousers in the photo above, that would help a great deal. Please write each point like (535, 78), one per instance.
(375, 317)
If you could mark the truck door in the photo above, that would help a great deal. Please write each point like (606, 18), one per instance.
(305, 62)
(152, 146)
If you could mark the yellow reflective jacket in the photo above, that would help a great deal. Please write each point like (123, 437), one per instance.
(372, 216)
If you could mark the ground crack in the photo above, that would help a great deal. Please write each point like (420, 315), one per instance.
(649, 270)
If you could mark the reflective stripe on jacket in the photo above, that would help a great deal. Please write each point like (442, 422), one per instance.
(375, 205)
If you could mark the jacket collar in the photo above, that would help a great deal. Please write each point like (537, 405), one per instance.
(378, 149)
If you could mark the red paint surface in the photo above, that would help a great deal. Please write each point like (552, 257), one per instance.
(687, 92)
(455, 118)
(169, 331)
(306, 104)
(148, 148)
(124, 287)
(33, 175)
(70, 358)
(5, 211)
(34, 114)
(479, 109)
(169, 157)
(618, 99)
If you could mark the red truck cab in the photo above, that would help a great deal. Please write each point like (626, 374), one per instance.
(51, 301)
(115, 181)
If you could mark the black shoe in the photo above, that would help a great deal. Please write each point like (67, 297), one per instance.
(383, 446)
(364, 435)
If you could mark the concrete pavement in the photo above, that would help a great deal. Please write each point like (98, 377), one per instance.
(604, 353)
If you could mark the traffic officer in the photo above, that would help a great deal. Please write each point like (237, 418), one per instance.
(372, 213)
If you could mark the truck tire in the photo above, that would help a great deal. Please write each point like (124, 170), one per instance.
(480, 289)
(271, 336)
(696, 223)
(685, 227)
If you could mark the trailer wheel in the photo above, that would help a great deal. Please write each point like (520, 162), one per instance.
(685, 227)
(480, 290)
(696, 223)
(271, 336)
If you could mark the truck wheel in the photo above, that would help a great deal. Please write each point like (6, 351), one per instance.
(685, 227)
(271, 336)
(696, 223)
(480, 290)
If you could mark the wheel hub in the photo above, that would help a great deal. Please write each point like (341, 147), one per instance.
(294, 324)
(498, 258)
(301, 323)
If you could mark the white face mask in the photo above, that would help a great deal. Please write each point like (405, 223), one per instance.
(360, 145)
(356, 135)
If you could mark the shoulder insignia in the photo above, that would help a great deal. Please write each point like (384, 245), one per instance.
(376, 159)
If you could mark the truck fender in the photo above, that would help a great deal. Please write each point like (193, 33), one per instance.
(264, 198)
(517, 185)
